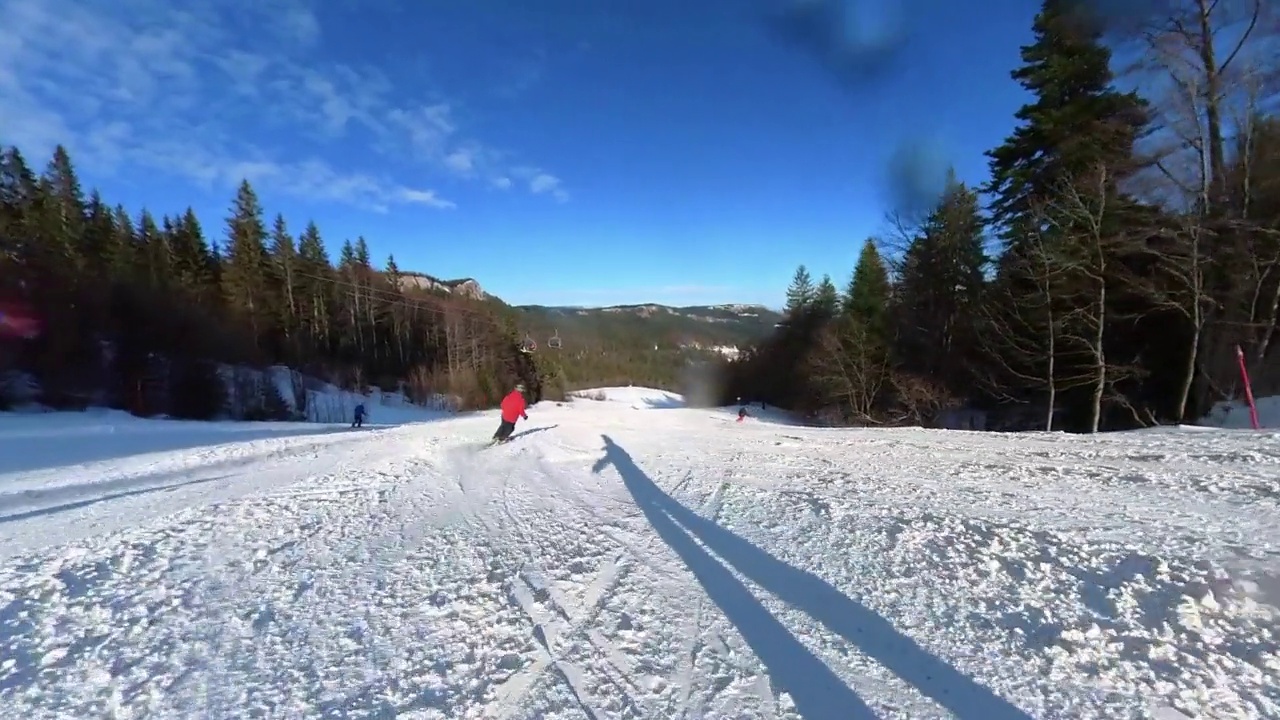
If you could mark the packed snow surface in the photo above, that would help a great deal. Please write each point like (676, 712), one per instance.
(616, 562)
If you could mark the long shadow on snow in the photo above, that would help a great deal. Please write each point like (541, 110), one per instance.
(54, 509)
(817, 691)
(666, 402)
(531, 431)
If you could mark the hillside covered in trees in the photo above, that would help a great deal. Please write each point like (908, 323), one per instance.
(649, 345)
(1129, 244)
(652, 324)
(139, 311)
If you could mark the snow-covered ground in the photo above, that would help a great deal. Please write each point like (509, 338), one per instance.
(622, 561)
(634, 397)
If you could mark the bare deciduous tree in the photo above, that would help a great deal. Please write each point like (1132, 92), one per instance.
(919, 399)
(1094, 241)
(850, 369)
(1209, 67)
(1021, 324)
(1197, 79)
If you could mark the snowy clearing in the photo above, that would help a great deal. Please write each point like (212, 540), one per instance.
(614, 562)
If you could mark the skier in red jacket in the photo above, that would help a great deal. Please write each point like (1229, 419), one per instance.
(513, 408)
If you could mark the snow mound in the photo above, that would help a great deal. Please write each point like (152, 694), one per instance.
(640, 398)
(1234, 414)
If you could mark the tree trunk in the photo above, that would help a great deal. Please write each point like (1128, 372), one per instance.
(1197, 327)
(1100, 384)
(1053, 383)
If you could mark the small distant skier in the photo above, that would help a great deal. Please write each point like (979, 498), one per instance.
(359, 416)
(513, 408)
(742, 414)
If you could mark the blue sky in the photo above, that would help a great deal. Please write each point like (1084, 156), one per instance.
(560, 151)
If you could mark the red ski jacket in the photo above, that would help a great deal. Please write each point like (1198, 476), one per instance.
(513, 406)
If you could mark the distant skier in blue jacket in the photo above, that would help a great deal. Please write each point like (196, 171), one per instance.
(359, 416)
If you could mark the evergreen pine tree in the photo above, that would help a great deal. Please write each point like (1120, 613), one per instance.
(826, 301)
(246, 267)
(392, 273)
(867, 299)
(316, 289)
(17, 200)
(938, 295)
(100, 243)
(157, 264)
(125, 264)
(284, 255)
(190, 253)
(1076, 122)
(361, 255)
(65, 209)
(801, 294)
(311, 249)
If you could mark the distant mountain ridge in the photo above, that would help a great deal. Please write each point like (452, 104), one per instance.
(727, 311)
(721, 327)
(724, 325)
(462, 287)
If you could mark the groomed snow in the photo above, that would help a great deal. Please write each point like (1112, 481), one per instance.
(619, 564)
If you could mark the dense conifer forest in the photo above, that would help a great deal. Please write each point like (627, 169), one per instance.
(1124, 251)
(140, 311)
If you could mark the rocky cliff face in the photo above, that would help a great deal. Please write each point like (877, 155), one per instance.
(463, 287)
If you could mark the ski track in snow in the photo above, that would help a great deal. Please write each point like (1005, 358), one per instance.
(620, 562)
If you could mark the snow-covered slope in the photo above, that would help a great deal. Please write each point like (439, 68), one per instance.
(637, 398)
(619, 564)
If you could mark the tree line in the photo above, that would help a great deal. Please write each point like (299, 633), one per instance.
(649, 349)
(147, 313)
(1123, 252)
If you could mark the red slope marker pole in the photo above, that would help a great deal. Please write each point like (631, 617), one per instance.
(1248, 390)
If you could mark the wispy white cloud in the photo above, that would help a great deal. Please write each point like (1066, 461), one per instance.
(189, 88)
(461, 161)
(541, 182)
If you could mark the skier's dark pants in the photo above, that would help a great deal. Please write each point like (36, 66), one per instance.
(358, 421)
(504, 431)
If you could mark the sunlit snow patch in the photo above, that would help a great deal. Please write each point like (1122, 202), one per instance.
(640, 398)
